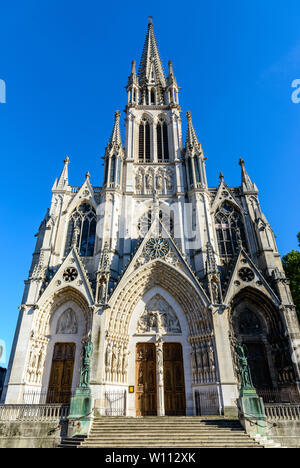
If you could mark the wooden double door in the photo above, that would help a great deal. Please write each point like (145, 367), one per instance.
(146, 380)
(61, 376)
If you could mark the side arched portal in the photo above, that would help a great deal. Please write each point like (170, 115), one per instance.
(256, 322)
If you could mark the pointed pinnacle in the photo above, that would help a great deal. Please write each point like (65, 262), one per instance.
(116, 133)
(67, 160)
(191, 138)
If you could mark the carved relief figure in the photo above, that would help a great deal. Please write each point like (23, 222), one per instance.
(67, 323)
(158, 317)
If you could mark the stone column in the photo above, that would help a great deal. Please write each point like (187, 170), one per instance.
(160, 376)
(228, 380)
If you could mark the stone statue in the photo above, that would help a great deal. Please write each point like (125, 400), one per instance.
(86, 364)
(244, 368)
(149, 182)
(108, 357)
(139, 181)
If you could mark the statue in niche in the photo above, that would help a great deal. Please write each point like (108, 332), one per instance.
(159, 182)
(159, 318)
(67, 323)
(139, 181)
(108, 357)
(149, 182)
(169, 181)
(215, 292)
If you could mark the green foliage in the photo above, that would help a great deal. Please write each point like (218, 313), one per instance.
(291, 265)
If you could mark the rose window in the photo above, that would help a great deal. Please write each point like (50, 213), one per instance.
(157, 248)
(70, 275)
(246, 274)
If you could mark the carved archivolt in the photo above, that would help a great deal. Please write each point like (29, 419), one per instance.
(41, 329)
(158, 317)
(159, 273)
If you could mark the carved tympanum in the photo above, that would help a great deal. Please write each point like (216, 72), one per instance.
(158, 317)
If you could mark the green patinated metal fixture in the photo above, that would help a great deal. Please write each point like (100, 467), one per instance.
(85, 370)
(244, 369)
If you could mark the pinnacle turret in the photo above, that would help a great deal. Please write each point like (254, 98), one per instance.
(63, 180)
(246, 183)
(191, 138)
(116, 133)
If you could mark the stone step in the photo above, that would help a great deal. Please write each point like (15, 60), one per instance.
(166, 432)
(168, 446)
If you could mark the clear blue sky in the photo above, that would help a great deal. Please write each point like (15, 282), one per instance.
(65, 64)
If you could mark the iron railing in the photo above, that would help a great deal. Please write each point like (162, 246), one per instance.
(115, 403)
(207, 402)
(280, 396)
(47, 396)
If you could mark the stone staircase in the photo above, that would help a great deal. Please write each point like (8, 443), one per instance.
(166, 432)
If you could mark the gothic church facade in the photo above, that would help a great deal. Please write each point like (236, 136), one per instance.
(163, 274)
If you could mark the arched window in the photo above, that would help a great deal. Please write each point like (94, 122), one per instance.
(197, 169)
(152, 97)
(162, 141)
(113, 169)
(230, 230)
(82, 230)
(144, 141)
(105, 172)
(190, 172)
(118, 180)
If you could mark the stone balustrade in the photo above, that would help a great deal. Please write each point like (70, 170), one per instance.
(47, 412)
(283, 412)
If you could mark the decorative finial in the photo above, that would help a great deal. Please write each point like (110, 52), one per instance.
(221, 176)
(241, 162)
(87, 175)
(67, 160)
(189, 115)
(150, 19)
(117, 114)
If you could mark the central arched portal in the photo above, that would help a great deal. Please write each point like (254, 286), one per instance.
(147, 380)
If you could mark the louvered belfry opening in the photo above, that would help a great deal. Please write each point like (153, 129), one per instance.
(144, 142)
(162, 142)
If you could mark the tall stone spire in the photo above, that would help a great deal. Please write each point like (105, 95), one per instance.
(150, 61)
(191, 138)
(246, 183)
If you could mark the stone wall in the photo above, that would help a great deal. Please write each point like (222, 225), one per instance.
(31, 434)
(287, 433)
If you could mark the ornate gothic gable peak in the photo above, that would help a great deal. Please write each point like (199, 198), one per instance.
(85, 193)
(246, 274)
(224, 194)
(171, 256)
(70, 274)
